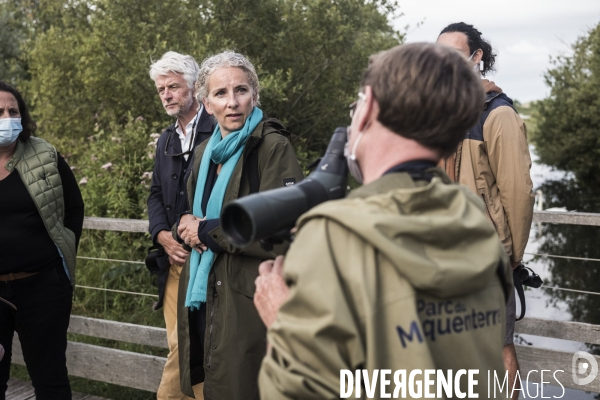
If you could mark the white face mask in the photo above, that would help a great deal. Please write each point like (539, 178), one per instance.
(353, 166)
(10, 128)
(477, 67)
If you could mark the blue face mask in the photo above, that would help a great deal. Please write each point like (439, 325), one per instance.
(10, 128)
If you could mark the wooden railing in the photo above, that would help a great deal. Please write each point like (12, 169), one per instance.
(568, 218)
(119, 367)
(144, 372)
(537, 359)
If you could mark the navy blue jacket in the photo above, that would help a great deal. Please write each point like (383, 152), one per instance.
(168, 194)
(493, 100)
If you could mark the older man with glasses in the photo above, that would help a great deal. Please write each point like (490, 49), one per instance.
(174, 76)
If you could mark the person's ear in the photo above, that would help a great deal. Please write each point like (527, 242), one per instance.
(364, 111)
(477, 56)
(207, 106)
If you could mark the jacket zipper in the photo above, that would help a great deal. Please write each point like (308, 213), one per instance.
(488, 212)
(212, 312)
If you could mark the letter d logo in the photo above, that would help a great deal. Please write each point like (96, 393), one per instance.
(580, 367)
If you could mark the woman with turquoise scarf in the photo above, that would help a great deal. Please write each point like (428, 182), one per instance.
(222, 339)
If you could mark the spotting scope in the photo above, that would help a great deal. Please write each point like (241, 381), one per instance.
(263, 215)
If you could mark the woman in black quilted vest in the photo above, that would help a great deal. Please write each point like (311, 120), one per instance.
(41, 217)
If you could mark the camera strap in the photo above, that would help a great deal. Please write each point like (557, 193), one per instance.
(252, 166)
(8, 303)
(520, 292)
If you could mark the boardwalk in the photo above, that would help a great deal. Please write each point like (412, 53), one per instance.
(22, 390)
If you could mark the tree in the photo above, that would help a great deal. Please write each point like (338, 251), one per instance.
(568, 133)
(90, 66)
(12, 36)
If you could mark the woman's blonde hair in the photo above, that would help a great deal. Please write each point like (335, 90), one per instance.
(226, 59)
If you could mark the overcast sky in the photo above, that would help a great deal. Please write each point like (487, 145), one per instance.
(525, 33)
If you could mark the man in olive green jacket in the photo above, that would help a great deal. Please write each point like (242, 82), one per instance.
(235, 337)
(405, 275)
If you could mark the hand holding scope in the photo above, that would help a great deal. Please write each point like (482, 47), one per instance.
(262, 215)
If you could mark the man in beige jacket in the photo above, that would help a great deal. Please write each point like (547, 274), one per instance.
(405, 275)
(494, 162)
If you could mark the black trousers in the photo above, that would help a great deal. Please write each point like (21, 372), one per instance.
(41, 320)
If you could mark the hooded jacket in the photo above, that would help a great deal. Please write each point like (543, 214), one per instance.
(494, 162)
(401, 275)
(235, 338)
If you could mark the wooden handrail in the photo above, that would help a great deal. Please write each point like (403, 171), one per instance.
(120, 331)
(116, 224)
(567, 330)
(569, 218)
(141, 225)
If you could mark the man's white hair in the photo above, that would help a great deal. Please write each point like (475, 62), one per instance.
(226, 59)
(176, 63)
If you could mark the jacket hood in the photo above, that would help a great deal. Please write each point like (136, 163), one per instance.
(434, 233)
(489, 86)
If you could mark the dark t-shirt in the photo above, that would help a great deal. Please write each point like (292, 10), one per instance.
(25, 245)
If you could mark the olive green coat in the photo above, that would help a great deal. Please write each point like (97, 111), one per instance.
(235, 339)
(401, 275)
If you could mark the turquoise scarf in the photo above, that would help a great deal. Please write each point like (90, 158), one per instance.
(226, 151)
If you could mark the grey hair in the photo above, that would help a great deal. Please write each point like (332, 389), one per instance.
(176, 63)
(226, 59)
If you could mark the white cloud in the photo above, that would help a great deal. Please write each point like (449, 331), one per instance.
(525, 48)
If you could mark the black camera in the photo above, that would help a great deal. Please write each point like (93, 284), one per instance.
(152, 257)
(267, 214)
(524, 276)
(528, 277)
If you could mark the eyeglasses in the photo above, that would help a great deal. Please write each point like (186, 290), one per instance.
(189, 151)
(352, 107)
(191, 146)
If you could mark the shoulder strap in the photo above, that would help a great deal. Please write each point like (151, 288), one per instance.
(252, 166)
(271, 126)
(520, 293)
